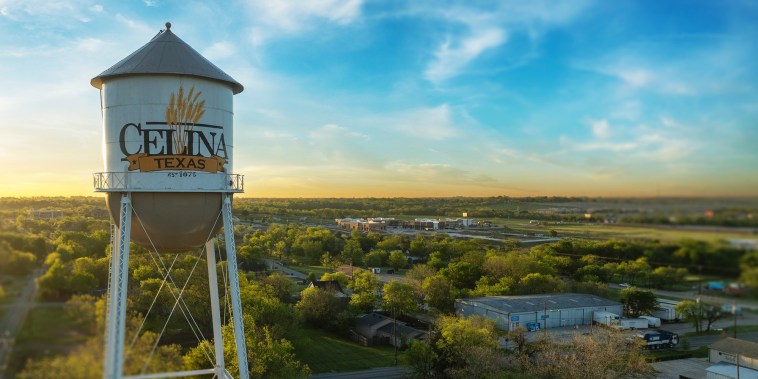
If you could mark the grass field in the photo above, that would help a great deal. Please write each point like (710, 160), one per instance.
(325, 352)
(608, 231)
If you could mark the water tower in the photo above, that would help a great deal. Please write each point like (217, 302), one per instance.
(168, 179)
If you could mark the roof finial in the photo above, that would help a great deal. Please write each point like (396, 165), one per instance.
(168, 26)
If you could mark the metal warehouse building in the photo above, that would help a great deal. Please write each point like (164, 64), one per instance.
(548, 310)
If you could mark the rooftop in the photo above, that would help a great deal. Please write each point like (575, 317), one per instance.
(166, 54)
(533, 303)
(736, 346)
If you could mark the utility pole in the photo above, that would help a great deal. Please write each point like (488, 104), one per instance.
(394, 332)
(544, 318)
(734, 316)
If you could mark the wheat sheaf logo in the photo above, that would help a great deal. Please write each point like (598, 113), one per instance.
(182, 114)
(180, 147)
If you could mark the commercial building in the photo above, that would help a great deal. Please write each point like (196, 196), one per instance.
(546, 310)
(732, 358)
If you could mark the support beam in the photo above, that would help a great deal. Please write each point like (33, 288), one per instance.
(114, 352)
(218, 341)
(234, 284)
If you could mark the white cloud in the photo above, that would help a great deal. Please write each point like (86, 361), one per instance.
(451, 57)
(150, 3)
(89, 45)
(714, 65)
(219, 51)
(427, 123)
(488, 27)
(297, 16)
(138, 26)
(435, 173)
(600, 129)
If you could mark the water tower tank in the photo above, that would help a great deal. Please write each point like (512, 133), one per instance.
(168, 140)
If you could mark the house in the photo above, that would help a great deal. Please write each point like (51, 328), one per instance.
(729, 355)
(44, 214)
(331, 286)
(375, 329)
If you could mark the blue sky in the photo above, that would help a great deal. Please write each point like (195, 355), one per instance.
(412, 98)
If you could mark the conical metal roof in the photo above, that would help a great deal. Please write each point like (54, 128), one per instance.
(166, 54)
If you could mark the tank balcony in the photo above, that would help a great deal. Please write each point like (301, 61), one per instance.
(175, 181)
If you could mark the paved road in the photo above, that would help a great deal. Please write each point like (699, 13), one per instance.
(374, 373)
(707, 298)
(699, 341)
(273, 265)
(14, 316)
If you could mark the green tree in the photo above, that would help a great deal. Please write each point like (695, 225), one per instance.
(749, 270)
(352, 252)
(438, 293)
(691, 311)
(420, 271)
(376, 258)
(539, 283)
(397, 260)
(749, 277)
(279, 286)
(711, 314)
(469, 346)
(638, 302)
(399, 298)
(338, 276)
(317, 307)
(364, 286)
(666, 277)
(422, 358)
(487, 286)
(462, 274)
(267, 356)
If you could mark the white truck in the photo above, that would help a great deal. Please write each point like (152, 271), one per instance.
(652, 322)
(605, 318)
(667, 310)
(632, 323)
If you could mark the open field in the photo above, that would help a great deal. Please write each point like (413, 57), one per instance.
(324, 352)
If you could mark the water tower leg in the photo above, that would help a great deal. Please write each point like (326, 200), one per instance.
(234, 284)
(114, 351)
(218, 341)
